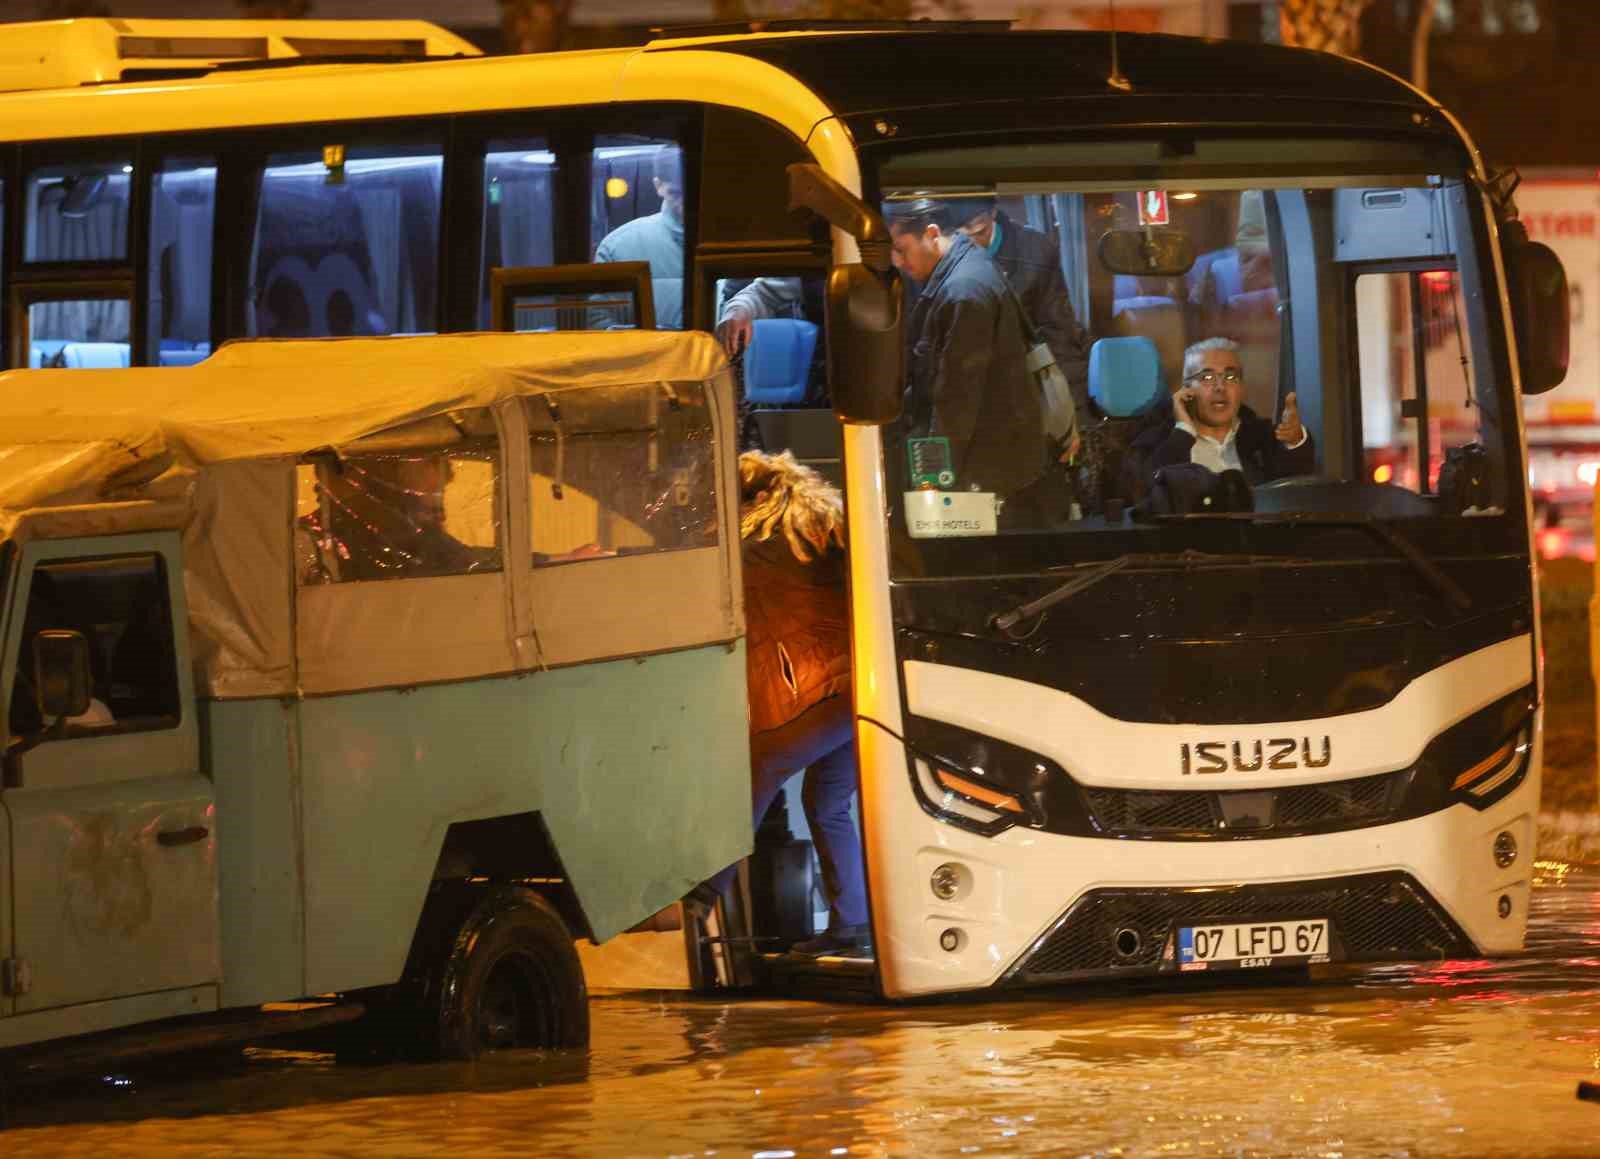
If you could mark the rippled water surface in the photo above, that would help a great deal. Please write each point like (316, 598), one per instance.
(1470, 1059)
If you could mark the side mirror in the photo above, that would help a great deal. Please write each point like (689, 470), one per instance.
(866, 351)
(1150, 252)
(61, 673)
(1536, 283)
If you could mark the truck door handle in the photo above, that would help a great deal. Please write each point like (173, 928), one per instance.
(171, 837)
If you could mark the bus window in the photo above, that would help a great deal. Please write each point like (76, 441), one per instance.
(183, 202)
(518, 210)
(621, 471)
(347, 243)
(77, 212)
(1416, 375)
(400, 508)
(636, 214)
(78, 333)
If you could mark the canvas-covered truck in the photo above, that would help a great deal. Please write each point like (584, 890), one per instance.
(378, 669)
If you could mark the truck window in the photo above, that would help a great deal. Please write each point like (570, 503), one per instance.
(621, 471)
(123, 608)
(398, 511)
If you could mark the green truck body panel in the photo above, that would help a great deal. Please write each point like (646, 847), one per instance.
(599, 751)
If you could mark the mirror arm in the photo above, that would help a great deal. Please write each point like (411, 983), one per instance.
(812, 189)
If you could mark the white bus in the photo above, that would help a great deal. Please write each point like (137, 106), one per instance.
(1122, 740)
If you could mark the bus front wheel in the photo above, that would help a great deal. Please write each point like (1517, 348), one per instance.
(511, 979)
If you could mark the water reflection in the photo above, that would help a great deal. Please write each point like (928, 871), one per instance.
(1469, 1058)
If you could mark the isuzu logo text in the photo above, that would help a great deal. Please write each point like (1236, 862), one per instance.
(1220, 756)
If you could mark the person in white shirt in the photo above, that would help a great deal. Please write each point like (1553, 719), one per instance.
(1211, 427)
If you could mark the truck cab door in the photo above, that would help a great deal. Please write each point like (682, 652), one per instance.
(113, 842)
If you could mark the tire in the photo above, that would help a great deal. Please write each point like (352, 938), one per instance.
(511, 979)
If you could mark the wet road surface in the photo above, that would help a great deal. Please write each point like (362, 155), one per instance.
(1467, 1059)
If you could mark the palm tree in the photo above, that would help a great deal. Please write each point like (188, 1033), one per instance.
(1326, 25)
(273, 9)
(535, 25)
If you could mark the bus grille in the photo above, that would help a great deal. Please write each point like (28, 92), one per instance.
(1382, 916)
(1251, 813)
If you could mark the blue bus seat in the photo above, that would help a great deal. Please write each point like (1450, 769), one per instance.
(95, 355)
(183, 356)
(1125, 376)
(777, 363)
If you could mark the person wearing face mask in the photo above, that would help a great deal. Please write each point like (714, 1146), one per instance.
(1210, 426)
(656, 238)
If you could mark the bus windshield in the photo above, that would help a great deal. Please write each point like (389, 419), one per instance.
(1265, 351)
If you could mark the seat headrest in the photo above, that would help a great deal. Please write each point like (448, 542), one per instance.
(95, 355)
(777, 363)
(1125, 375)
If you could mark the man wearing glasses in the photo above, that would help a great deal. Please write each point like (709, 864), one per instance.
(1210, 427)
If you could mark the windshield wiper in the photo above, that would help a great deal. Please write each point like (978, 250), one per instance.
(1093, 573)
(1453, 593)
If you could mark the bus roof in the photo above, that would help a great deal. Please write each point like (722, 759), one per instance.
(53, 54)
(860, 72)
(937, 82)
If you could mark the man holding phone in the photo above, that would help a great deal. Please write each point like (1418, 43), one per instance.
(1211, 427)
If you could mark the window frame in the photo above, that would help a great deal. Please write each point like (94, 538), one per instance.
(1413, 268)
(507, 282)
(29, 294)
(113, 754)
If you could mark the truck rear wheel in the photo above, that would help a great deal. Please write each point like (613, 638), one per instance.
(511, 979)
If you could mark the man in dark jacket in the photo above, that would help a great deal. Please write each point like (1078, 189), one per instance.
(1207, 424)
(1031, 263)
(968, 379)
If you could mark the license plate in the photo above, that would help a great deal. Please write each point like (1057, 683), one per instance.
(1252, 945)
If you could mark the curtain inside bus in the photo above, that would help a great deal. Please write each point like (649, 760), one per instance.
(347, 243)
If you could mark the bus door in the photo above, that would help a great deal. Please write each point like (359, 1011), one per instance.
(112, 824)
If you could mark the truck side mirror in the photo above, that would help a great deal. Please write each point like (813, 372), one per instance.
(866, 352)
(1540, 309)
(61, 673)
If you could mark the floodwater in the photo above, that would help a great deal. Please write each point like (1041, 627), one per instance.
(1467, 1059)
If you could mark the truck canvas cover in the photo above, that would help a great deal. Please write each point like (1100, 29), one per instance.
(213, 450)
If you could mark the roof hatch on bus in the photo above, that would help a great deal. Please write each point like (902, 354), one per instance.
(51, 54)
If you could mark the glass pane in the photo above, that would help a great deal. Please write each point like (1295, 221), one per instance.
(1390, 440)
(772, 330)
(403, 509)
(1397, 312)
(518, 211)
(636, 214)
(621, 471)
(79, 333)
(600, 310)
(347, 243)
(122, 609)
(77, 212)
(1180, 378)
(183, 202)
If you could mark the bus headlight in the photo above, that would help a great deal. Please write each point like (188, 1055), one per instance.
(976, 782)
(1491, 776)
